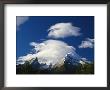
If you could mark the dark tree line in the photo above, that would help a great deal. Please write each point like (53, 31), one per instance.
(67, 68)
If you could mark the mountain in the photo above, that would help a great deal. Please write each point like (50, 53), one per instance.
(68, 59)
(72, 59)
(73, 64)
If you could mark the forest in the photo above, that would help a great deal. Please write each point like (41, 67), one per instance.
(67, 68)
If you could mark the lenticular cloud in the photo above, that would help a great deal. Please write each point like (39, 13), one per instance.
(49, 52)
(62, 30)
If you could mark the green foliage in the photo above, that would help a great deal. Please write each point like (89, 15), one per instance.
(24, 69)
(58, 70)
(85, 69)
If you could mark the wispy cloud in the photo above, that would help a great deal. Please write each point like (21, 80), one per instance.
(62, 30)
(88, 43)
(49, 52)
(21, 20)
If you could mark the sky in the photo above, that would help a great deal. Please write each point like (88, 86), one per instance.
(69, 34)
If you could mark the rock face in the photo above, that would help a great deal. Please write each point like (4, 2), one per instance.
(70, 60)
(73, 59)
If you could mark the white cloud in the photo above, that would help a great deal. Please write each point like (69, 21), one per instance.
(62, 30)
(91, 40)
(34, 44)
(88, 43)
(28, 57)
(21, 20)
(49, 52)
(85, 59)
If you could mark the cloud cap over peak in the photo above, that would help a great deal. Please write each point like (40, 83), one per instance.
(63, 30)
(49, 52)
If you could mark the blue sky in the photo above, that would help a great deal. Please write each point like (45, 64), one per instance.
(35, 29)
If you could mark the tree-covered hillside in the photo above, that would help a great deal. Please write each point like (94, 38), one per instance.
(68, 67)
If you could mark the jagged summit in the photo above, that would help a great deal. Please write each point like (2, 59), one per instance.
(72, 59)
(69, 59)
(71, 64)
